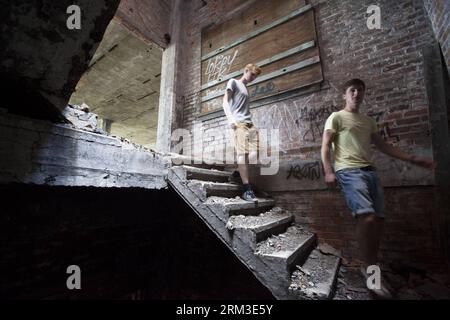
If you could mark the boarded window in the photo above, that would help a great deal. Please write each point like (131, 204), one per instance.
(279, 36)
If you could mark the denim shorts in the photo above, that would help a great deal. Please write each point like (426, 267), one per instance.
(362, 190)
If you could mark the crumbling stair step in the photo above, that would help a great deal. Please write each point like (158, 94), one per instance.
(205, 189)
(253, 229)
(315, 279)
(180, 160)
(194, 173)
(285, 250)
(238, 206)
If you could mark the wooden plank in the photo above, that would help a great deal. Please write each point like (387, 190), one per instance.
(276, 49)
(300, 65)
(269, 68)
(254, 16)
(295, 93)
(263, 63)
(258, 32)
(282, 38)
(292, 81)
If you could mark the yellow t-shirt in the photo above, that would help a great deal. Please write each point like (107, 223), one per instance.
(351, 143)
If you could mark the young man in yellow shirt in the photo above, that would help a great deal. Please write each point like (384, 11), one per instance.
(351, 134)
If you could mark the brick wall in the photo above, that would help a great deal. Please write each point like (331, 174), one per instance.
(128, 243)
(439, 15)
(390, 60)
(410, 229)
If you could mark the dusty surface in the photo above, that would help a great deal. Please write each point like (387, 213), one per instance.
(315, 278)
(406, 284)
(287, 241)
(250, 222)
(223, 200)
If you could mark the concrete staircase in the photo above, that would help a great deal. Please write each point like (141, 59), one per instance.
(281, 254)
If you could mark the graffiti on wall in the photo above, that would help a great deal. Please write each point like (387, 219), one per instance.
(301, 120)
(259, 90)
(310, 171)
(219, 66)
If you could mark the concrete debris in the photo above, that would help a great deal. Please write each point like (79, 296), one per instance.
(327, 249)
(286, 243)
(315, 278)
(351, 286)
(303, 271)
(272, 216)
(81, 118)
(223, 200)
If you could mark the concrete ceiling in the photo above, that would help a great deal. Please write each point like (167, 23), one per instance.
(122, 84)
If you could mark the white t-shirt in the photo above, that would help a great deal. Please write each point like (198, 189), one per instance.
(239, 105)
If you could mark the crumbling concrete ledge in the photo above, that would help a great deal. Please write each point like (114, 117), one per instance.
(43, 153)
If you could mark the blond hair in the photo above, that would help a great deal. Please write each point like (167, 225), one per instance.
(253, 68)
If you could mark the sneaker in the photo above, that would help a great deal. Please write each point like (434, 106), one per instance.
(249, 195)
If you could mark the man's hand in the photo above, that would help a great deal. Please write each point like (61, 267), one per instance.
(330, 179)
(425, 162)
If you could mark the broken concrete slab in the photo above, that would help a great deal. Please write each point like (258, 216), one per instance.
(325, 248)
(235, 206)
(80, 117)
(39, 152)
(205, 189)
(316, 277)
(285, 250)
(258, 228)
(205, 163)
(194, 173)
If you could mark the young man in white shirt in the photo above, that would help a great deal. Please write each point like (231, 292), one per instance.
(246, 135)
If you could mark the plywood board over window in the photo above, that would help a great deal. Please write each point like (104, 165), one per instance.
(279, 36)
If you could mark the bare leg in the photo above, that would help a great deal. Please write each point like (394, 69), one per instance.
(243, 168)
(253, 157)
(369, 228)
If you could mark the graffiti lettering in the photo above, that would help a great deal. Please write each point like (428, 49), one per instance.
(260, 90)
(219, 66)
(312, 120)
(311, 171)
(313, 132)
(316, 114)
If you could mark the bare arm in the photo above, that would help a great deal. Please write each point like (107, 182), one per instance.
(395, 152)
(325, 151)
(226, 108)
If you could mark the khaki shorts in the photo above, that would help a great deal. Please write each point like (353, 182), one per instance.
(246, 138)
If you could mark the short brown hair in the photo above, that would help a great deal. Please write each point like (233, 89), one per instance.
(353, 82)
(253, 68)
